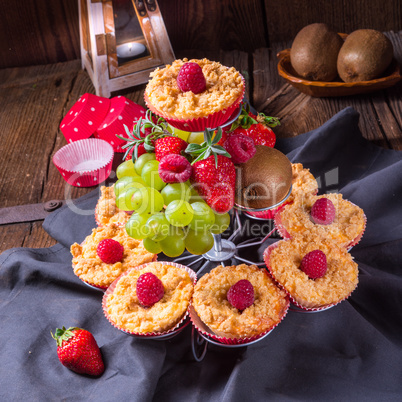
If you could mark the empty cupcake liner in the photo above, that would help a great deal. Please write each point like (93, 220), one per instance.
(84, 163)
(296, 305)
(84, 117)
(150, 335)
(122, 112)
(202, 328)
(211, 121)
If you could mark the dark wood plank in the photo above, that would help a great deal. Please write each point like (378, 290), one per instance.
(286, 18)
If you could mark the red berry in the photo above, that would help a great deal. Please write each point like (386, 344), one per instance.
(77, 350)
(323, 211)
(314, 264)
(262, 135)
(110, 251)
(169, 145)
(240, 147)
(174, 168)
(241, 294)
(149, 289)
(191, 78)
(140, 150)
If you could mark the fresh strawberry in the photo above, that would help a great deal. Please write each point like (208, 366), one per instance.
(323, 211)
(149, 289)
(214, 174)
(77, 350)
(241, 294)
(169, 145)
(140, 150)
(257, 127)
(314, 264)
(191, 78)
(150, 134)
(110, 251)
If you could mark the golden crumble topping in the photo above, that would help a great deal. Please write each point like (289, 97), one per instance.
(224, 85)
(106, 210)
(125, 310)
(213, 308)
(90, 268)
(338, 282)
(303, 182)
(348, 224)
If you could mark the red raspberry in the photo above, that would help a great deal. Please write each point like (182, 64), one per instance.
(174, 168)
(110, 251)
(149, 289)
(191, 78)
(314, 264)
(241, 294)
(323, 211)
(240, 147)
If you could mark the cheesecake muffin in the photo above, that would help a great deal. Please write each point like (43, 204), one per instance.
(239, 302)
(316, 272)
(326, 215)
(194, 104)
(106, 253)
(106, 210)
(150, 299)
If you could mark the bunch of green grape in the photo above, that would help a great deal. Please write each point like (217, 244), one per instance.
(169, 218)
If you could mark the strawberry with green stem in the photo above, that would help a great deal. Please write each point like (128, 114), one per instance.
(259, 127)
(77, 350)
(214, 174)
(151, 133)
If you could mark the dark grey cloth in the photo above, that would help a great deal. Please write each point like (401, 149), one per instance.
(350, 352)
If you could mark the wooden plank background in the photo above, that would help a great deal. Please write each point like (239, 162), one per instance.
(34, 32)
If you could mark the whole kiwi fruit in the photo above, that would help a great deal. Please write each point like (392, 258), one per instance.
(264, 180)
(365, 55)
(314, 52)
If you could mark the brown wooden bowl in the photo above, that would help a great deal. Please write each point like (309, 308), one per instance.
(335, 88)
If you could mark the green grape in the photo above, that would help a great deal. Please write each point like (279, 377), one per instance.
(176, 191)
(126, 183)
(196, 138)
(204, 216)
(125, 169)
(222, 222)
(136, 227)
(179, 213)
(198, 242)
(158, 226)
(123, 201)
(152, 246)
(147, 199)
(150, 175)
(173, 245)
(142, 160)
(194, 196)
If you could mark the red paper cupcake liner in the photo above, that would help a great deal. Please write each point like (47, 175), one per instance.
(150, 335)
(212, 121)
(82, 120)
(84, 163)
(122, 112)
(202, 328)
(266, 257)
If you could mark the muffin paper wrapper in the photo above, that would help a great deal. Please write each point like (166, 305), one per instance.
(149, 335)
(285, 234)
(84, 163)
(84, 117)
(201, 327)
(122, 112)
(211, 121)
(266, 257)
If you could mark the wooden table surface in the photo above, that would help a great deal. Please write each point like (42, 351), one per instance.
(33, 101)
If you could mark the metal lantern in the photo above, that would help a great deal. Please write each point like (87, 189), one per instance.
(122, 41)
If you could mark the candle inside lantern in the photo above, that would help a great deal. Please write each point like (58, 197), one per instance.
(130, 50)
